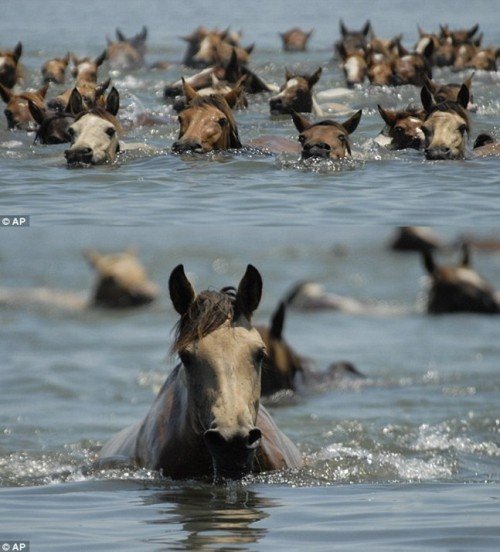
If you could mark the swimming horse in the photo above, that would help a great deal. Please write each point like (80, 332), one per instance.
(207, 420)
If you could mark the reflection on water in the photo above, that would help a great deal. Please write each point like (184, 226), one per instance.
(211, 517)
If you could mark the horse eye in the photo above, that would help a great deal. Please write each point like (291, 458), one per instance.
(462, 128)
(260, 356)
(222, 122)
(302, 139)
(398, 129)
(185, 357)
(111, 132)
(342, 138)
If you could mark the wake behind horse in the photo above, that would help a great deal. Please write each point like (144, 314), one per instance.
(207, 420)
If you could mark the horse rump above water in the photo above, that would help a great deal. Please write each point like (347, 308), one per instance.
(207, 420)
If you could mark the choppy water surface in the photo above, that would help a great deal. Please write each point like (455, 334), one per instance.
(378, 187)
(407, 459)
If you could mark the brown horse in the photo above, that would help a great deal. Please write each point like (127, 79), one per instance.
(207, 420)
(122, 281)
(206, 124)
(17, 110)
(412, 68)
(446, 126)
(10, 71)
(195, 39)
(325, 139)
(449, 92)
(215, 49)
(404, 127)
(380, 69)
(127, 53)
(295, 40)
(484, 60)
(85, 69)
(90, 92)
(94, 133)
(458, 288)
(296, 94)
(354, 66)
(353, 41)
(282, 364)
(54, 70)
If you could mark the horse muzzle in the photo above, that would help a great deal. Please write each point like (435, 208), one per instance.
(187, 146)
(232, 456)
(76, 156)
(440, 153)
(318, 151)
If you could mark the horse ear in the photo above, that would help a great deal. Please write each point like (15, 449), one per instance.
(463, 96)
(468, 82)
(17, 52)
(314, 78)
(36, 112)
(300, 122)
(43, 91)
(233, 68)
(309, 34)
(120, 36)
(466, 255)
(144, 33)
(352, 124)
(429, 263)
(5, 93)
(278, 321)
(478, 40)
(431, 85)
(100, 59)
(249, 291)
(473, 30)
(444, 31)
(102, 87)
(65, 59)
(233, 94)
(426, 99)
(288, 75)
(429, 49)
(367, 28)
(189, 92)
(92, 256)
(421, 32)
(182, 293)
(343, 29)
(249, 49)
(75, 103)
(388, 115)
(113, 101)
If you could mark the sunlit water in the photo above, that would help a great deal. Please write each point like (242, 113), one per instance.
(407, 459)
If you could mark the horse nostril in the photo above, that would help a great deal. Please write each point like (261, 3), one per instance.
(214, 438)
(323, 145)
(186, 146)
(254, 437)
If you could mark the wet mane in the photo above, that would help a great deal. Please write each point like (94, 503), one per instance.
(207, 312)
(450, 106)
(219, 102)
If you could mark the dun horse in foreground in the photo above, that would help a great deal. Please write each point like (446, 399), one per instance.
(206, 419)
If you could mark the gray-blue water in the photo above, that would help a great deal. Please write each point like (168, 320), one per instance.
(408, 459)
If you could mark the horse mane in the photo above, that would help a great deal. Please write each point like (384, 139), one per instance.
(450, 106)
(36, 98)
(219, 102)
(103, 114)
(209, 310)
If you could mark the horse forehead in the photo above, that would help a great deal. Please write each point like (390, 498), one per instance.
(323, 132)
(445, 118)
(228, 338)
(92, 123)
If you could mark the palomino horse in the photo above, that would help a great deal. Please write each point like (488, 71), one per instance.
(325, 139)
(52, 125)
(295, 40)
(446, 125)
(17, 110)
(54, 70)
(127, 53)
(296, 94)
(458, 288)
(206, 419)
(282, 364)
(122, 281)
(10, 72)
(95, 133)
(403, 127)
(206, 124)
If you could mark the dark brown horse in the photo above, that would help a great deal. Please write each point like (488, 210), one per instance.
(458, 288)
(403, 127)
(10, 71)
(296, 94)
(52, 125)
(325, 139)
(206, 124)
(207, 420)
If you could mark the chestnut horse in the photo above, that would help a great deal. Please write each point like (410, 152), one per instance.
(296, 94)
(325, 139)
(207, 419)
(458, 288)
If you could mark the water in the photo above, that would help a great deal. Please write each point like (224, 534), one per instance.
(408, 459)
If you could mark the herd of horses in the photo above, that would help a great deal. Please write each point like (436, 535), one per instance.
(85, 116)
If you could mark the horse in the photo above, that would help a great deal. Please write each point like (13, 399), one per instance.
(458, 288)
(206, 124)
(325, 139)
(412, 68)
(354, 41)
(52, 125)
(484, 59)
(214, 48)
(206, 420)
(10, 70)
(122, 282)
(198, 35)
(403, 127)
(17, 109)
(415, 238)
(90, 92)
(85, 69)
(446, 125)
(94, 133)
(354, 66)
(54, 70)
(282, 364)
(127, 53)
(295, 40)
(296, 94)
(380, 70)
(449, 92)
